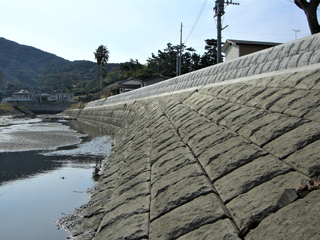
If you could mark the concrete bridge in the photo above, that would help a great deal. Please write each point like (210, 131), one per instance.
(226, 152)
(43, 107)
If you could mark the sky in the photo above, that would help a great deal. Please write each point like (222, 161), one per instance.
(73, 29)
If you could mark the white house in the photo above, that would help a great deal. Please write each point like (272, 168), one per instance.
(26, 96)
(21, 96)
(238, 48)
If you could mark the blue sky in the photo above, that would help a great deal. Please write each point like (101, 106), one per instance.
(73, 29)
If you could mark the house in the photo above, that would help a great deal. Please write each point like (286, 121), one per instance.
(26, 96)
(64, 97)
(124, 86)
(21, 96)
(154, 80)
(238, 48)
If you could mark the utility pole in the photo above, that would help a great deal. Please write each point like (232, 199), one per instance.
(296, 31)
(177, 65)
(180, 53)
(219, 12)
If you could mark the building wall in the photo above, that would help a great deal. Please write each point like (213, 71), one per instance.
(232, 52)
(69, 97)
(247, 49)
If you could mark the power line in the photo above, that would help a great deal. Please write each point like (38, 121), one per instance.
(227, 25)
(253, 33)
(197, 20)
(271, 34)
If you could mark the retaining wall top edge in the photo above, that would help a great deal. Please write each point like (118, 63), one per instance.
(232, 81)
(251, 60)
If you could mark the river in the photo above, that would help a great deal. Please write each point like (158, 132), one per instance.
(45, 170)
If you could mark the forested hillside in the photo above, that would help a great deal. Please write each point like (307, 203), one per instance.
(30, 68)
(24, 66)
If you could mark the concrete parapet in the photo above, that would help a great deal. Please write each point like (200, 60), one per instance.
(216, 161)
(298, 53)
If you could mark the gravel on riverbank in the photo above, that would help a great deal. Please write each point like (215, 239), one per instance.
(10, 115)
(37, 136)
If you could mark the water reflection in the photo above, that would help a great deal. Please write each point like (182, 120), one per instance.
(93, 148)
(86, 128)
(98, 146)
(37, 186)
(17, 165)
(29, 207)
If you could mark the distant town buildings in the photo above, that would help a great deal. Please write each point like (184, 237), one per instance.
(66, 97)
(26, 96)
(132, 84)
(238, 48)
(124, 86)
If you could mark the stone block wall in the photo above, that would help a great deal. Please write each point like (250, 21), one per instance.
(216, 161)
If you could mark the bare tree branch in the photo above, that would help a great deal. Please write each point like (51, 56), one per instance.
(314, 4)
(310, 9)
(303, 4)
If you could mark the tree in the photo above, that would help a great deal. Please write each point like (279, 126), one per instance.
(1, 85)
(190, 60)
(133, 68)
(130, 68)
(102, 56)
(104, 75)
(209, 58)
(310, 9)
(1, 77)
(165, 63)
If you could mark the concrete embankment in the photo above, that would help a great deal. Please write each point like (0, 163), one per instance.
(43, 107)
(8, 110)
(220, 160)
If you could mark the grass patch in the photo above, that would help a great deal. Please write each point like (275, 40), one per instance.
(6, 107)
(77, 106)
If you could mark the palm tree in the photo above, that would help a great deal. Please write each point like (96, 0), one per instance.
(102, 56)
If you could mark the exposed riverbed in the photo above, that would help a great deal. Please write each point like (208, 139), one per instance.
(45, 170)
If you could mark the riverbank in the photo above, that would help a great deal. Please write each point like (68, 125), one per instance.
(7, 110)
(10, 115)
(46, 168)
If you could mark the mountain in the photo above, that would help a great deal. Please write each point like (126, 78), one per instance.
(23, 65)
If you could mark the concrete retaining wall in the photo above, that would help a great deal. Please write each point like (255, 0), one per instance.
(298, 53)
(216, 161)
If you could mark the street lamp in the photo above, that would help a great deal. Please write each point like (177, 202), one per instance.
(295, 32)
